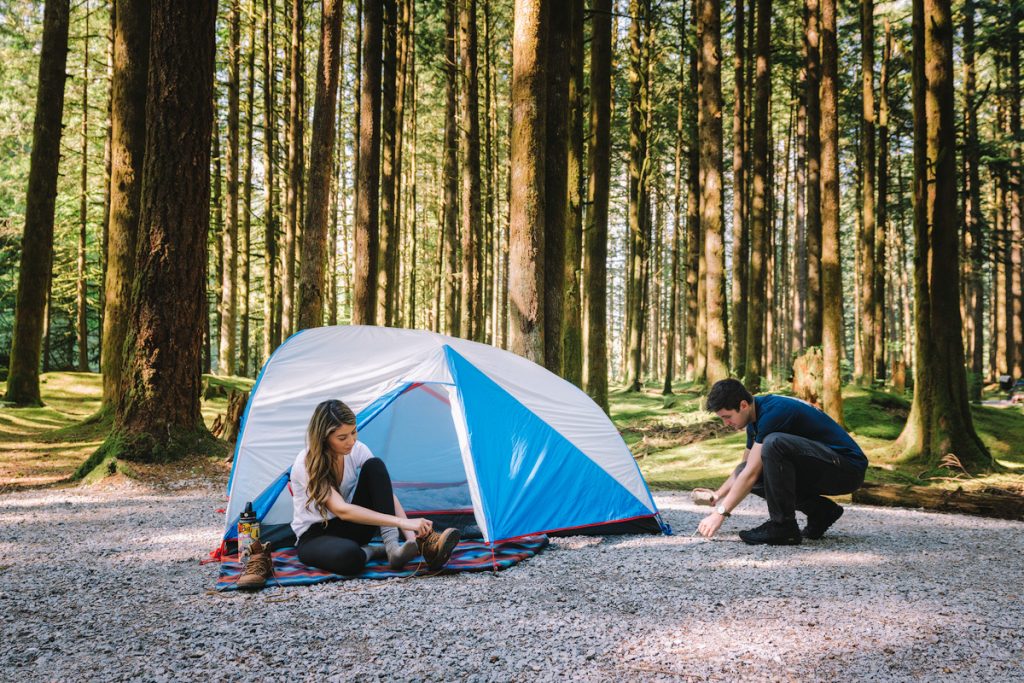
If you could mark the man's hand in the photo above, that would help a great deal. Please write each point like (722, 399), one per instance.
(710, 524)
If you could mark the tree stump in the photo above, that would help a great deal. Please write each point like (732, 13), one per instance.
(808, 372)
(237, 400)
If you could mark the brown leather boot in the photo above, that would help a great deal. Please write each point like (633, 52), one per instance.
(258, 569)
(437, 548)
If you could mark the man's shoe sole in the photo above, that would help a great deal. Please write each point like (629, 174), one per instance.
(775, 541)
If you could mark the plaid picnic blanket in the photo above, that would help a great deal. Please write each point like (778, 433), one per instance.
(469, 556)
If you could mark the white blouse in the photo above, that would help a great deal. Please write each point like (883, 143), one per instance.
(304, 512)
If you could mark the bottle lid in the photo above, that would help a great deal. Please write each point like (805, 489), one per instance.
(248, 510)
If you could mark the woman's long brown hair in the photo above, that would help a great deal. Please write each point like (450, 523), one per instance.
(327, 417)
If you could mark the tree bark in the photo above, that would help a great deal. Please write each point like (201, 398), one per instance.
(572, 333)
(270, 292)
(364, 304)
(866, 243)
(760, 222)
(128, 139)
(812, 38)
(741, 252)
(881, 229)
(245, 239)
(595, 276)
(710, 135)
(229, 244)
(318, 193)
(973, 220)
(34, 274)
(940, 419)
(450, 207)
(677, 225)
(387, 262)
(695, 359)
(82, 326)
(293, 190)
(527, 202)
(831, 273)
(158, 417)
(472, 326)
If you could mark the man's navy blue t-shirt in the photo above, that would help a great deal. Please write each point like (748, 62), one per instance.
(793, 416)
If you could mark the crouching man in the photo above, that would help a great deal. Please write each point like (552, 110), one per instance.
(795, 456)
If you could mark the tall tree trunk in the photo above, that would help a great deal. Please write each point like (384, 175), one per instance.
(638, 234)
(128, 139)
(158, 417)
(595, 274)
(799, 303)
(296, 122)
(710, 135)
(82, 325)
(470, 307)
(760, 217)
(940, 419)
(973, 221)
(695, 358)
(881, 229)
(527, 202)
(740, 226)
(1015, 295)
(34, 272)
(270, 292)
(318, 193)
(245, 240)
(229, 274)
(677, 224)
(812, 39)
(107, 143)
(450, 207)
(556, 153)
(572, 333)
(216, 229)
(364, 304)
(387, 261)
(866, 243)
(831, 273)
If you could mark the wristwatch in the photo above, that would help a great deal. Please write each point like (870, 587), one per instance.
(720, 509)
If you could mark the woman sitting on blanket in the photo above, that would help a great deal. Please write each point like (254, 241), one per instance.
(342, 495)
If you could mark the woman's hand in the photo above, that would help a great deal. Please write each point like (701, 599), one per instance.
(419, 526)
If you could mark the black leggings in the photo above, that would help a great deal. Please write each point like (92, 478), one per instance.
(336, 545)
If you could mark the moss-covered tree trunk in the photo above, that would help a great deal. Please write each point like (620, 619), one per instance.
(812, 48)
(694, 248)
(449, 174)
(128, 140)
(364, 285)
(940, 419)
(472, 324)
(37, 240)
(740, 223)
(158, 416)
(572, 333)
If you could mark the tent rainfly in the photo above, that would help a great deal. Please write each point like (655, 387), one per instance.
(472, 435)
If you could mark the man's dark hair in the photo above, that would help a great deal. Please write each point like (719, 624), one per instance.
(726, 394)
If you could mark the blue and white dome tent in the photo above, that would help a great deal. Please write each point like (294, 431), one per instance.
(472, 435)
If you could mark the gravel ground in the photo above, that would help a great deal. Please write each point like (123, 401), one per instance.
(106, 585)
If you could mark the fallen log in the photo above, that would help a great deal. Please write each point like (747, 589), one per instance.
(1002, 505)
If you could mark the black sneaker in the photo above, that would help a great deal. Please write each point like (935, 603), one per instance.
(819, 522)
(772, 533)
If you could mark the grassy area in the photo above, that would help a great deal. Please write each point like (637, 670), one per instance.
(678, 445)
(671, 457)
(45, 445)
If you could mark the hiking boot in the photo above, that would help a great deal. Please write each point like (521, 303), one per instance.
(772, 533)
(399, 555)
(258, 568)
(437, 548)
(819, 522)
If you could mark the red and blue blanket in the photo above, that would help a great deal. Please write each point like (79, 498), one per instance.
(468, 556)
